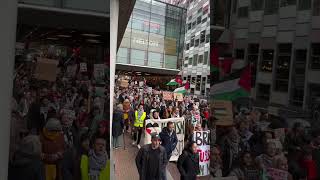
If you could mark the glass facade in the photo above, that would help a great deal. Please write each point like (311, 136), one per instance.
(101, 6)
(154, 36)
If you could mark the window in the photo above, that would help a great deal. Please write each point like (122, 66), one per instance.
(271, 7)
(192, 90)
(304, 4)
(283, 67)
(198, 83)
(192, 41)
(186, 65)
(203, 85)
(155, 59)
(194, 23)
(243, 12)
(193, 80)
(267, 60)
(196, 43)
(200, 10)
(195, 59)
(204, 20)
(235, 6)
(207, 38)
(187, 46)
(184, 78)
(316, 7)
(263, 92)
(239, 53)
(122, 55)
(208, 79)
(190, 61)
(199, 20)
(189, 79)
(205, 9)
(189, 26)
(190, 17)
(256, 5)
(288, 2)
(253, 56)
(205, 60)
(137, 57)
(200, 60)
(315, 56)
(202, 36)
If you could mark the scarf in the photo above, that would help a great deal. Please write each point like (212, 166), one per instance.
(140, 113)
(96, 164)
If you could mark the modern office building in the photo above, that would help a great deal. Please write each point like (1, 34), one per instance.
(196, 64)
(153, 40)
(282, 39)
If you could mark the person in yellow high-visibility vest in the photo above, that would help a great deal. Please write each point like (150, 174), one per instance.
(138, 124)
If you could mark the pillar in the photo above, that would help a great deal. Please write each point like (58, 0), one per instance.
(114, 16)
(8, 21)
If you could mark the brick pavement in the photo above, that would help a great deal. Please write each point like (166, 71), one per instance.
(125, 168)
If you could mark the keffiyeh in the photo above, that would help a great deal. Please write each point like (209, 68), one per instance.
(97, 162)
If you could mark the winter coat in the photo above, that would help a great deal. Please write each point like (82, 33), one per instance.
(117, 124)
(52, 147)
(142, 161)
(26, 168)
(188, 165)
(167, 141)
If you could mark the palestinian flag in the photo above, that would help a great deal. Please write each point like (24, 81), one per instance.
(180, 90)
(233, 89)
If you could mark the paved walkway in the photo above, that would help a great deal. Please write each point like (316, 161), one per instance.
(125, 167)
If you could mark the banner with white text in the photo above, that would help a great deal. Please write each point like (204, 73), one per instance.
(203, 141)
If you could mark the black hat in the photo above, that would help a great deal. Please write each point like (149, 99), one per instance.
(155, 135)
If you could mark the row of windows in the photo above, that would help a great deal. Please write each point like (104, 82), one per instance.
(197, 59)
(272, 6)
(283, 62)
(204, 38)
(144, 58)
(202, 11)
(192, 25)
(199, 82)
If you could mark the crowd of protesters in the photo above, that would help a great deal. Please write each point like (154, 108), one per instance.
(59, 129)
(134, 105)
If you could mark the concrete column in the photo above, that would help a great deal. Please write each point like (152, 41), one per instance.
(114, 16)
(8, 21)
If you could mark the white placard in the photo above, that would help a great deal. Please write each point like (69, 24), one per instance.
(202, 138)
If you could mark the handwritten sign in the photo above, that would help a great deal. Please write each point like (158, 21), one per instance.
(99, 72)
(153, 125)
(83, 67)
(202, 138)
(277, 174)
(124, 84)
(178, 96)
(167, 95)
(46, 69)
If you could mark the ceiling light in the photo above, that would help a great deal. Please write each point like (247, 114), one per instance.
(93, 40)
(90, 35)
(65, 36)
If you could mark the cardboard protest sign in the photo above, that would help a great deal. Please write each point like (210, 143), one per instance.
(99, 72)
(223, 112)
(46, 69)
(155, 125)
(167, 95)
(202, 138)
(124, 84)
(178, 96)
(277, 174)
(149, 90)
(83, 67)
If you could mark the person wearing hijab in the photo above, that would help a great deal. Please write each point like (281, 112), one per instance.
(188, 162)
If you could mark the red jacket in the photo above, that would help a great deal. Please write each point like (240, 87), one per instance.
(311, 167)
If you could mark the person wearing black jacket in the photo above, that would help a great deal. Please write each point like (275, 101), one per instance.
(169, 139)
(151, 160)
(188, 162)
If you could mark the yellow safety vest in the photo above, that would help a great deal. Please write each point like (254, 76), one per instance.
(84, 168)
(139, 122)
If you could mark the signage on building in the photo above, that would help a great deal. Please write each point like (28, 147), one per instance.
(146, 42)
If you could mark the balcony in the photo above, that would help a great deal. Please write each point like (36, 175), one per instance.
(98, 6)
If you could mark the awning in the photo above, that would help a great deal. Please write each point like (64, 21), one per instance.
(147, 69)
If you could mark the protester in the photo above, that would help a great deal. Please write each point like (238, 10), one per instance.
(27, 164)
(215, 162)
(151, 160)
(95, 165)
(169, 139)
(282, 164)
(267, 159)
(117, 125)
(188, 162)
(140, 116)
(247, 170)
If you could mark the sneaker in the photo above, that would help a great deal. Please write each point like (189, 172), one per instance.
(139, 146)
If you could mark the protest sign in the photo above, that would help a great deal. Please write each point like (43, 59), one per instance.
(167, 95)
(124, 84)
(155, 125)
(83, 67)
(46, 69)
(277, 174)
(178, 96)
(149, 89)
(223, 112)
(141, 83)
(202, 138)
(99, 72)
(71, 71)
(69, 113)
